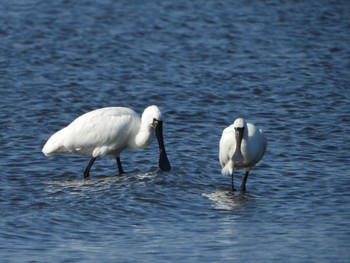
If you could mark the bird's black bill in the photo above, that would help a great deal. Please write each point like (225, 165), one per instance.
(237, 155)
(163, 163)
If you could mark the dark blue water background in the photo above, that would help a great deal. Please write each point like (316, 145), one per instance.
(283, 65)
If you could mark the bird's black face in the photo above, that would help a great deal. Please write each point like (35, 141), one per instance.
(154, 123)
(163, 163)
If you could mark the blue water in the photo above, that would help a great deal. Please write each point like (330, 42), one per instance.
(283, 65)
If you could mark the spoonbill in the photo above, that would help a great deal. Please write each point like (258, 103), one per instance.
(108, 131)
(242, 145)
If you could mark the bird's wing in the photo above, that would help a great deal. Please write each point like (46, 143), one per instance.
(227, 146)
(257, 145)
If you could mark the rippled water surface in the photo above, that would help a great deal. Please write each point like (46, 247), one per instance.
(283, 65)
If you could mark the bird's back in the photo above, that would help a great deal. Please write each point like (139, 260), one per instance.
(104, 131)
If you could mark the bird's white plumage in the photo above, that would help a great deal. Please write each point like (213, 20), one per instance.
(253, 147)
(106, 131)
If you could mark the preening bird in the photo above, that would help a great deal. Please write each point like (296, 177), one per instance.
(108, 131)
(242, 145)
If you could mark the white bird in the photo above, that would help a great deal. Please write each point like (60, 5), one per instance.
(108, 131)
(242, 145)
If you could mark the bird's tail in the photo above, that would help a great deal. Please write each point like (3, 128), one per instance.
(49, 149)
(53, 145)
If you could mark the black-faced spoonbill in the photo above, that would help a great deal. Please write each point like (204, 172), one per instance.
(242, 145)
(108, 131)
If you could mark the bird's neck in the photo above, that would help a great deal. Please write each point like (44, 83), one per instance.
(144, 137)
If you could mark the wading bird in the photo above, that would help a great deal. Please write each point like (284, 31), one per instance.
(108, 131)
(242, 145)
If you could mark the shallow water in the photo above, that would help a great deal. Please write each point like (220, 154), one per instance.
(283, 66)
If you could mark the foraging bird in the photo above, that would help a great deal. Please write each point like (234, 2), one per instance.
(242, 145)
(108, 131)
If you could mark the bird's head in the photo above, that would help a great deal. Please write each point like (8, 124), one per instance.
(239, 126)
(151, 115)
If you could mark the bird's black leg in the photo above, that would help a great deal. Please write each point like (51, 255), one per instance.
(88, 167)
(244, 180)
(119, 163)
(232, 186)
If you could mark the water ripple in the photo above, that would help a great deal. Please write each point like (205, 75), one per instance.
(282, 66)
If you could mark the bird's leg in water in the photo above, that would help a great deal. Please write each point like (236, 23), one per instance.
(119, 163)
(88, 167)
(244, 180)
(232, 186)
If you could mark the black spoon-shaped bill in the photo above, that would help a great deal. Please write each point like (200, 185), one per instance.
(163, 162)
